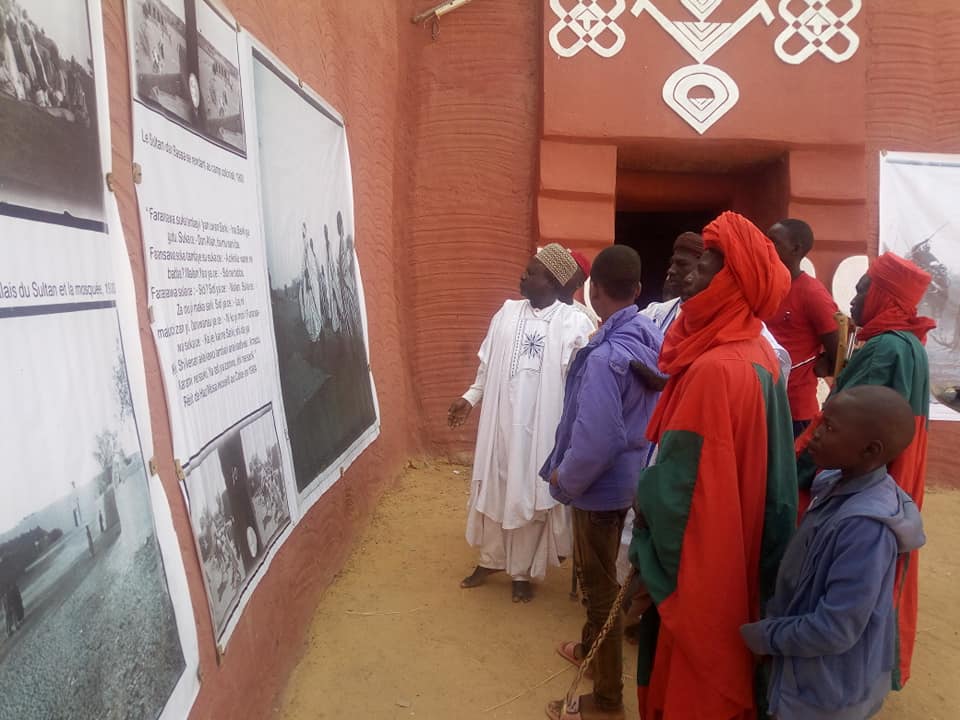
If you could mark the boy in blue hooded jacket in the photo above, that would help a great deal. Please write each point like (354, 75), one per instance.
(830, 626)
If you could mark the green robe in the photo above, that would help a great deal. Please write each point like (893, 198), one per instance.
(898, 361)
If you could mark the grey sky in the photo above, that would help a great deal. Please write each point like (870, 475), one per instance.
(302, 161)
(65, 22)
(56, 381)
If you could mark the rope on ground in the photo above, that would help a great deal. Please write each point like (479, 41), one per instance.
(520, 694)
(571, 702)
(383, 612)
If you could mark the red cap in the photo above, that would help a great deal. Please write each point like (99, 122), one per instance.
(581, 261)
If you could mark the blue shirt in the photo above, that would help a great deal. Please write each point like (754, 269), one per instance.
(830, 625)
(601, 443)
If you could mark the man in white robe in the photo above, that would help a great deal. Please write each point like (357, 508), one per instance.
(517, 526)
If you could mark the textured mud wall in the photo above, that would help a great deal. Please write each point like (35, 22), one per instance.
(913, 104)
(472, 179)
(350, 51)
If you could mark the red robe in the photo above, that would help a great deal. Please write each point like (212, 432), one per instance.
(893, 356)
(719, 505)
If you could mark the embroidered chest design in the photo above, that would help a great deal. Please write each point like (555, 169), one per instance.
(530, 343)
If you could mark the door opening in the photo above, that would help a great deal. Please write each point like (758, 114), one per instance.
(652, 234)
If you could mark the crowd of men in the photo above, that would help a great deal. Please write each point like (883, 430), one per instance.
(770, 546)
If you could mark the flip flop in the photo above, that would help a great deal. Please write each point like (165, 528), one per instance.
(568, 651)
(556, 710)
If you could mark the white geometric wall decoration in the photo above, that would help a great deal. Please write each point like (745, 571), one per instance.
(701, 9)
(702, 39)
(701, 95)
(593, 22)
(817, 24)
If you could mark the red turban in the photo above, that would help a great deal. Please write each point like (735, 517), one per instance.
(752, 285)
(582, 262)
(896, 288)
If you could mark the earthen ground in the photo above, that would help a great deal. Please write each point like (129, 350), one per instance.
(395, 637)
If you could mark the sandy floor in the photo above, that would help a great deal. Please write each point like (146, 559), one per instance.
(395, 637)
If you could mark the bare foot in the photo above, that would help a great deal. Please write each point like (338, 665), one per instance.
(478, 577)
(522, 591)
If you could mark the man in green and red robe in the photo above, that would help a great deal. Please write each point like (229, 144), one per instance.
(893, 335)
(715, 512)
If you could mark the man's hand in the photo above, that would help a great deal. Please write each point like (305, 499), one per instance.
(639, 521)
(648, 376)
(458, 413)
(822, 367)
(555, 478)
(637, 599)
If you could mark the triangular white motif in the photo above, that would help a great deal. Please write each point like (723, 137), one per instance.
(703, 35)
(702, 9)
(700, 112)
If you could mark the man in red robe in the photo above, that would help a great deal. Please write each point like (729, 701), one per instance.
(892, 355)
(717, 509)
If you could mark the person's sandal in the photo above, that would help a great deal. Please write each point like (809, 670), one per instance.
(568, 651)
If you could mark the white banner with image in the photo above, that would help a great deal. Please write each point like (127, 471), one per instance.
(316, 292)
(95, 613)
(207, 289)
(920, 221)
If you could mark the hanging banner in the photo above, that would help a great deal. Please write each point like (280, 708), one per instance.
(920, 221)
(207, 288)
(318, 310)
(95, 614)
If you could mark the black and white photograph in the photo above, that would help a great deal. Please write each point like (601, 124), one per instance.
(939, 255)
(238, 509)
(49, 136)
(186, 63)
(162, 58)
(221, 105)
(315, 288)
(920, 221)
(87, 625)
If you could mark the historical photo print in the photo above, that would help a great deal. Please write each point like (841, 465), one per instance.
(87, 626)
(49, 137)
(161, 58)
(939, 255)
(920, 221)
(238, 509)
(186, 62)
(314, 279)
(221, 106)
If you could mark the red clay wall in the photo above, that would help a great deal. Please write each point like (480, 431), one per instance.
(352, 53)
(475, 131)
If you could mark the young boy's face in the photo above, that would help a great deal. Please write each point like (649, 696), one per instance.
(838, 441)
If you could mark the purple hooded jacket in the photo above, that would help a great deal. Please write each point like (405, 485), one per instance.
(601, 443)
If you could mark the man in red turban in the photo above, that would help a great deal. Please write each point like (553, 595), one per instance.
(715, 512)
(885, 310)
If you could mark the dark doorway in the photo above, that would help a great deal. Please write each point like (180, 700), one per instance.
(652, 234)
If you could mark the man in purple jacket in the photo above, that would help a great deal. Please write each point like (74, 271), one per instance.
(600, 449)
